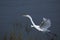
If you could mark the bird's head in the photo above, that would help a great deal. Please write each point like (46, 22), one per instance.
(28, 16)
(25, 15)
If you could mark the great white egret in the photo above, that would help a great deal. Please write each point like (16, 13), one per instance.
(43, 27)
(45, 24)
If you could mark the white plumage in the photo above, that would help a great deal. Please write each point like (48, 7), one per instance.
(45, 24)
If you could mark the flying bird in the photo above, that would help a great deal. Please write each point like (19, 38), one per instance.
(45, 24)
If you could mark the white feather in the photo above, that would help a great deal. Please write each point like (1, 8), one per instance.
(47, 23)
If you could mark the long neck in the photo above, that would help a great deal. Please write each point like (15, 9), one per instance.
(31, 20)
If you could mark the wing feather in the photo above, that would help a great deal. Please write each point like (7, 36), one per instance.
(45, 24)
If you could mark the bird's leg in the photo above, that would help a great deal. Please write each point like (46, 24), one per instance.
(32, 26)
(52, 33)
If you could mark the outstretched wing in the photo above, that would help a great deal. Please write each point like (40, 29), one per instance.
(46, 23)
